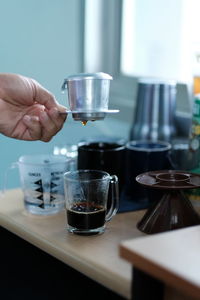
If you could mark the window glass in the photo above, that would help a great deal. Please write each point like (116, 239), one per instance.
(160, 38)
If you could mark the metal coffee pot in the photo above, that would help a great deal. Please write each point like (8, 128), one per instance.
(88, 96)
(155, 111)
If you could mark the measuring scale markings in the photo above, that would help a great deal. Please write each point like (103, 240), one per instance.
(53, 193)
(52, 185)
(39, 182)
(41, 205)
(46, 191)
(40, 190)
(42, 184)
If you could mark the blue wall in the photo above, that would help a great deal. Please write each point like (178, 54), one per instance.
(43, 39)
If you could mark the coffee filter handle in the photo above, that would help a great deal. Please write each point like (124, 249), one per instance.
(64, 86)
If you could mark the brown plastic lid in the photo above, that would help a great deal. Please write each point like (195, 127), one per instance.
(169, 179)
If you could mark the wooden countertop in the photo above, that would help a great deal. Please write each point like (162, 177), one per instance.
(173, 257)
(95, 256)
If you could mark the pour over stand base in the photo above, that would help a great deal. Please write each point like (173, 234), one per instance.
(174, 210)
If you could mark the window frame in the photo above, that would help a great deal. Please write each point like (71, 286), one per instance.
(123, 88)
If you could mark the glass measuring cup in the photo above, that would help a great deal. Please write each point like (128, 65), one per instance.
(41, 178)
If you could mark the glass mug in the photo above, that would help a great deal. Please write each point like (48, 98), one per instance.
(86, 194)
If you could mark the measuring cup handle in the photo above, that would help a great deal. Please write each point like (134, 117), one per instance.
(72, 164)
(114, 198)
(12, 166)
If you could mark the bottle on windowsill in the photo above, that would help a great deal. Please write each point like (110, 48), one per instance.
(196, 76)
(194, 139)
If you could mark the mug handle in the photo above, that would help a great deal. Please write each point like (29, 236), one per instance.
(114, 198)
(171, 164)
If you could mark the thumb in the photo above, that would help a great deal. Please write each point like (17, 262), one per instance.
(34, 130)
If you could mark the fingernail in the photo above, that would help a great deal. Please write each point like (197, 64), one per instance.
(27, 118)
(35, 118)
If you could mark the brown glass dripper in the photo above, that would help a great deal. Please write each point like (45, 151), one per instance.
(174, 210)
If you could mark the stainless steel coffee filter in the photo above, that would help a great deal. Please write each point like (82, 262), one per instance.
(88, 95)
(155, 110)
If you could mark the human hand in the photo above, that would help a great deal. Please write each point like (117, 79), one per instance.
(27, 110)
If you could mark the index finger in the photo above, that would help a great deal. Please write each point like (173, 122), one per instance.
(43, 96)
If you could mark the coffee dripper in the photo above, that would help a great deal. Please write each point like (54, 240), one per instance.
(88, 96)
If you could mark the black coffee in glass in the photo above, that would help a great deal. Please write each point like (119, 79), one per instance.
(86, 215)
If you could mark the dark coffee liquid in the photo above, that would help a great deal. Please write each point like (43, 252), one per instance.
(86, 216)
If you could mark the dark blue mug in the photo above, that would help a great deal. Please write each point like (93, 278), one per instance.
(144, 156)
